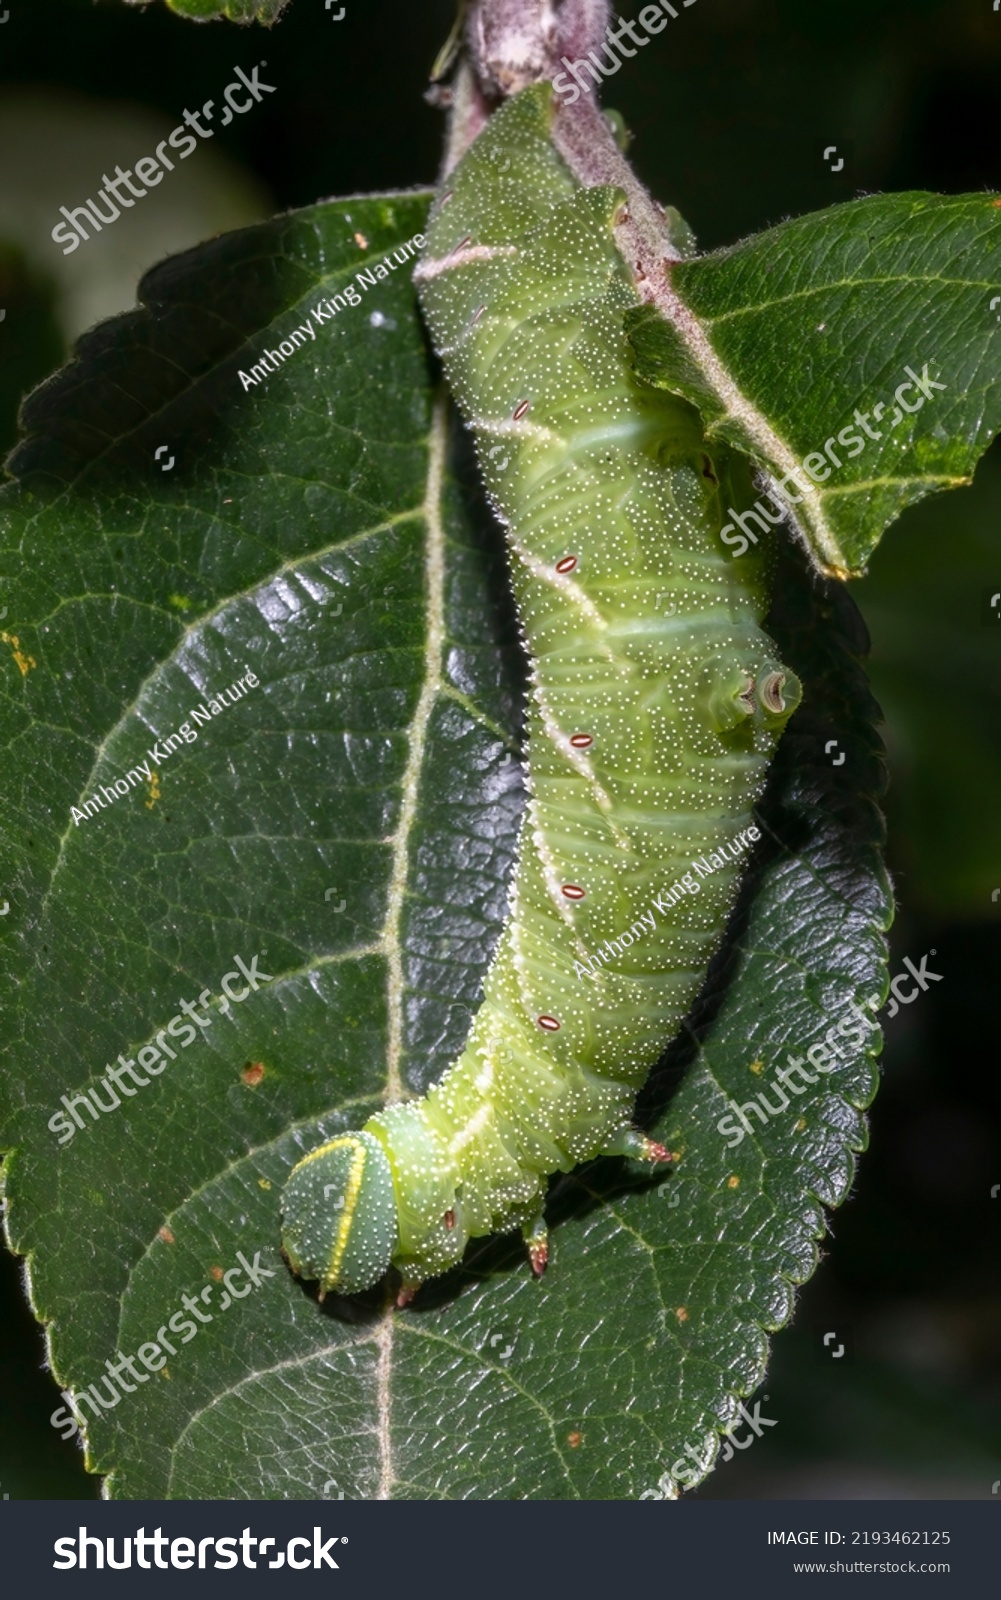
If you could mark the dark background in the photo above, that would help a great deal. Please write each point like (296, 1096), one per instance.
(732, 107)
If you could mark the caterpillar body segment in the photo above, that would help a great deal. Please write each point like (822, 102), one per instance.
(657, 701)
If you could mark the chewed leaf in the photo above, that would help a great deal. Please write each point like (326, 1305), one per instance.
(857, 349)
(348, 825)
(266, 11)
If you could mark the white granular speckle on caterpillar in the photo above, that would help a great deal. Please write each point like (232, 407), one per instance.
(650, 727)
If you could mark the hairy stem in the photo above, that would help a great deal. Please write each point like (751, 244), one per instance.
(512, 43)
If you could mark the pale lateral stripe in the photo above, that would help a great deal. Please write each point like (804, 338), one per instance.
(471, 1129)
(517, 954)
(577, 759)
(560, 581)
(551, 876)
(460, 258)
(505, 427)
(485, 1077)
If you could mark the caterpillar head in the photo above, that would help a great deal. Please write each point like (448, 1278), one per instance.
(339, 1218)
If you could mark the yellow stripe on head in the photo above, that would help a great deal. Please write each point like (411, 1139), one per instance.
(347, 1241)
(351, 1194)
(325, 1149)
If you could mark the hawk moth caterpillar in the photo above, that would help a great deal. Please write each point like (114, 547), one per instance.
(650, 726)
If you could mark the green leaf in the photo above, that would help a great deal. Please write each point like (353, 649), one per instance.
(307, 531)
(266, 11)
(924, 611)
(30, 339)
(780, 341)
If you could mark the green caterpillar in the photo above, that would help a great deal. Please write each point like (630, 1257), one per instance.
(656, 704)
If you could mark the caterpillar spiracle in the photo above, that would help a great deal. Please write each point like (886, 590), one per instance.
(651, 725)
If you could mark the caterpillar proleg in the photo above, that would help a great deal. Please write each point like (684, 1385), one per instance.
(656, 704)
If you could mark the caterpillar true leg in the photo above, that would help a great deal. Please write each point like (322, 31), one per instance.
(536, 1237)
(650, 729)
(634, 1143)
